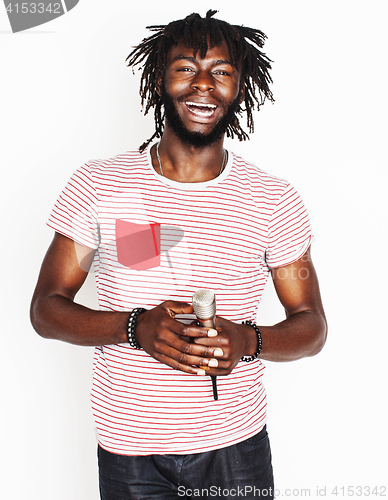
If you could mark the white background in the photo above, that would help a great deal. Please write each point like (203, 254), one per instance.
(67, 96)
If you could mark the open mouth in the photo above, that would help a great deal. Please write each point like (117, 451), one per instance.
(201, 109)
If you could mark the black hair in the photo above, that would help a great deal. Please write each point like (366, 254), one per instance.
(244, 46)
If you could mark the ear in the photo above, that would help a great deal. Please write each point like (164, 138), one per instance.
(242, 93)
(159, 83)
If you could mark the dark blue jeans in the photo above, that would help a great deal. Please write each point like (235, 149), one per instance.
(243, 470)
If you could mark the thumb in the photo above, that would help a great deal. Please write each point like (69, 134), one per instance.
(174, 307)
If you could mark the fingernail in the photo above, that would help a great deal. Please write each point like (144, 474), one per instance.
(201, 372)
(218, 352)
(212, 332)
(213, 363)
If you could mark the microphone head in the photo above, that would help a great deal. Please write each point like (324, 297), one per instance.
(204, 304)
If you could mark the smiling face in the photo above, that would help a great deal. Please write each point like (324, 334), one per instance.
(200, 96)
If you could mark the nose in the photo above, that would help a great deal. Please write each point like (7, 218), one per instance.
(203, 82)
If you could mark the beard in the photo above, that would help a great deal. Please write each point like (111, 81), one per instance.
(198, 139)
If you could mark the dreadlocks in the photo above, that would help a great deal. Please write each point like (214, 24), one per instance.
(244, 46)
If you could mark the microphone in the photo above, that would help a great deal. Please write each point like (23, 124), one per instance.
(204, 305)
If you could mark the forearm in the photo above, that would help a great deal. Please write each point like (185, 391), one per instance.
(58, 317)
(301, 335)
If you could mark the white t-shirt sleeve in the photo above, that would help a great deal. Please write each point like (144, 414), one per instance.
(75, 212)
(289, 230)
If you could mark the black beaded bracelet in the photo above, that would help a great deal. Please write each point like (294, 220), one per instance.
(132, 341)
(247, 359)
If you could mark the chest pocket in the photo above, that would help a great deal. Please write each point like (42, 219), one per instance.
(138, 245)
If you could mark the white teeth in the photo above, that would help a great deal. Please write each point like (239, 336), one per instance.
(201, 108)
(201, 105)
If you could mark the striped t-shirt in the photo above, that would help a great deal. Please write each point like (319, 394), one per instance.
(157, 240)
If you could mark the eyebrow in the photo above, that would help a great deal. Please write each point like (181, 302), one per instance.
(194, 60)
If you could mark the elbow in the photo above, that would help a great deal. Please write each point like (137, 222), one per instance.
(319, 337)
(36, 318)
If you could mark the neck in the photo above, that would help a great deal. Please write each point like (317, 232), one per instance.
(183, 162)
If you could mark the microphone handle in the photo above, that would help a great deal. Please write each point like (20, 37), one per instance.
(209, 323)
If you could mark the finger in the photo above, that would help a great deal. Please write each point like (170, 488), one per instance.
(182, 353)
(210, 358)
(206, 350)
(194, 332)
(209, 341)
(212, 332)
(192, 354)
(224, 368)
(177, 365)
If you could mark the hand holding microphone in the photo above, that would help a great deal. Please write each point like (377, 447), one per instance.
(204, 305)
(191, 349)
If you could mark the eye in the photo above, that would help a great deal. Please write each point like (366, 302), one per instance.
(222, 72)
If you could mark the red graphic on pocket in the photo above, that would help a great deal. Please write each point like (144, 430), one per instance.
(138, 245)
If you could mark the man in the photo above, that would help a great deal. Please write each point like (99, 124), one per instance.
(160, 223)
